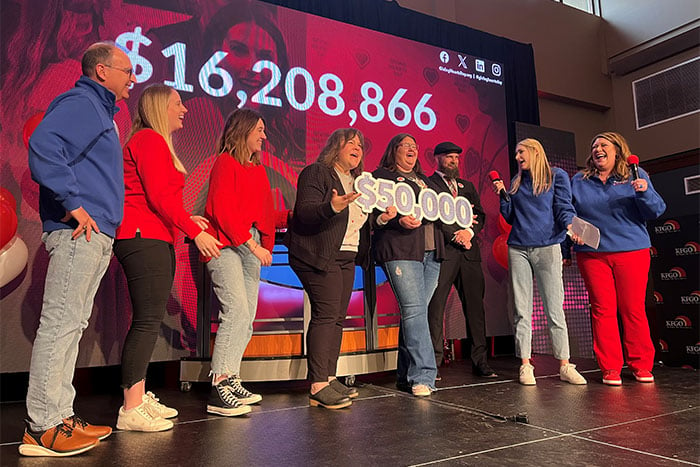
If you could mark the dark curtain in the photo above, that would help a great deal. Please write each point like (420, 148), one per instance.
(389, 17)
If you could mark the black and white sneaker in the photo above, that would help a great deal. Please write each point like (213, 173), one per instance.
(222, 401)
(242, 394)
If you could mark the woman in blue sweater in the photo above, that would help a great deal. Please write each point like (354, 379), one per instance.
(540, 211)
(616, 273)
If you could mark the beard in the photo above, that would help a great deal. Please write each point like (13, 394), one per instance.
(450, 172)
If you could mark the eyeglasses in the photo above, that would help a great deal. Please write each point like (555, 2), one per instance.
(128, 71)
(408, 146)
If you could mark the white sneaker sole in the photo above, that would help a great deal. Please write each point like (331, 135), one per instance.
(242, 410)
(254, 399)
(146, 429)
(33, 450)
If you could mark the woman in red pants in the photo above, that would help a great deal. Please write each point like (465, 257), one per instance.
(607, 195)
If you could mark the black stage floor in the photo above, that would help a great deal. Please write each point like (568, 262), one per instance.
(469, 421)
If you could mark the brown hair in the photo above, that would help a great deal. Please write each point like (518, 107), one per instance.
(621, 169)
(239, 124)
(335, 142)
(388, 160)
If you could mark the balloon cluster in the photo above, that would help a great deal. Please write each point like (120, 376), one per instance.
(13, 251)
(500, 245)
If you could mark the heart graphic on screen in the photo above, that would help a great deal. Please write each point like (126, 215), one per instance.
(430, 75)
(462, 122)
(429, 157)
(367, 147)
(362, 58)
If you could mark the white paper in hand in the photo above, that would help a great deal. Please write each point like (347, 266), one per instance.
(589, 233)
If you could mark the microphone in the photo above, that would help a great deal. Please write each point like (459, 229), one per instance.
(493, 175)
(633, 162)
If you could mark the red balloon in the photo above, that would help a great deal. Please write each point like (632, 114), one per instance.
(500, 250)
(8, 223)
(29, 127)
(7, 198)
(503, 226)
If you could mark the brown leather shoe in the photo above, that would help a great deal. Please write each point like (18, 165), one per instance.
(59, 441)
(81, 426)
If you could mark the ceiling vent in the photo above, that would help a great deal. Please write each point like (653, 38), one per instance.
(667, 95)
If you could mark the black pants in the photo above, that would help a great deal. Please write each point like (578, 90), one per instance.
(329, 293)
(468, 279)
(149, 266)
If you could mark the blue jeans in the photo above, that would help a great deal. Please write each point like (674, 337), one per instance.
(235, 276)
(545, 263)
(73, 276)
(413, 284)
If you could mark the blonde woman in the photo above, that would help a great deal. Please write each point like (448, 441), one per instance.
(153, 214)
(540, 212)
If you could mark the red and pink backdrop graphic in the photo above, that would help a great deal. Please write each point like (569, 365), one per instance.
(307, 76)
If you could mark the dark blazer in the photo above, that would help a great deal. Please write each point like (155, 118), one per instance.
(393, 242)
(315, 231)
(464, 188)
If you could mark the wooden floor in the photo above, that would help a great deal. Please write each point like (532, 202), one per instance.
(469, 421)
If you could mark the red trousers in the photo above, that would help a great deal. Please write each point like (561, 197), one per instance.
(617, 282)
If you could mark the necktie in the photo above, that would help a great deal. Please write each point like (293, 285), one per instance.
(453, 187)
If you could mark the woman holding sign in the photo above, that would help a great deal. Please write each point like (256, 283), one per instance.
(408, 250)
(540, 211)
(619, 202)
(327, 237)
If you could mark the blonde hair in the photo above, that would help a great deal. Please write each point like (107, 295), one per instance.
(540, 170)
(153, 113)
(239, 124)
(621, 170)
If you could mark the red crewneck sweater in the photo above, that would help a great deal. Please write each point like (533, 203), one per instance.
(239, 198)
(153, 191)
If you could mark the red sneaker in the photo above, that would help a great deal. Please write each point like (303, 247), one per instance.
(643, 376)
(612, 378)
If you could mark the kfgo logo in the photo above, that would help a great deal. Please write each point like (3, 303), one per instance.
(663, 345)
(679, 322)
(658, 298)
(690, 248)
(668, 227)
(693, 349)
(692, 299)
(674, 274)
(653, 252)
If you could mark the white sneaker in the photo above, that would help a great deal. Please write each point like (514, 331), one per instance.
(527, 375)
(421, 390)
(141, 418)
(569, 374)
(161, 409)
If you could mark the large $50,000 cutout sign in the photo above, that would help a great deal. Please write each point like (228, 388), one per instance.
(431, 205)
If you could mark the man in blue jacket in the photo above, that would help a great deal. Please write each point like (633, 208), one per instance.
(76, 158)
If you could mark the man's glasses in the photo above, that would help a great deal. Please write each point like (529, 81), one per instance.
(128, 71)
(408, 146)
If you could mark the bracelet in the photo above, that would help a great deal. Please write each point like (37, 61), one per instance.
(252, 250)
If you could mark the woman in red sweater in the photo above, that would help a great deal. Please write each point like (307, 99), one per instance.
(153, 216)
(239, 205)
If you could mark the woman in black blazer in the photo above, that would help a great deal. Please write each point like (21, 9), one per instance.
(328, 235)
